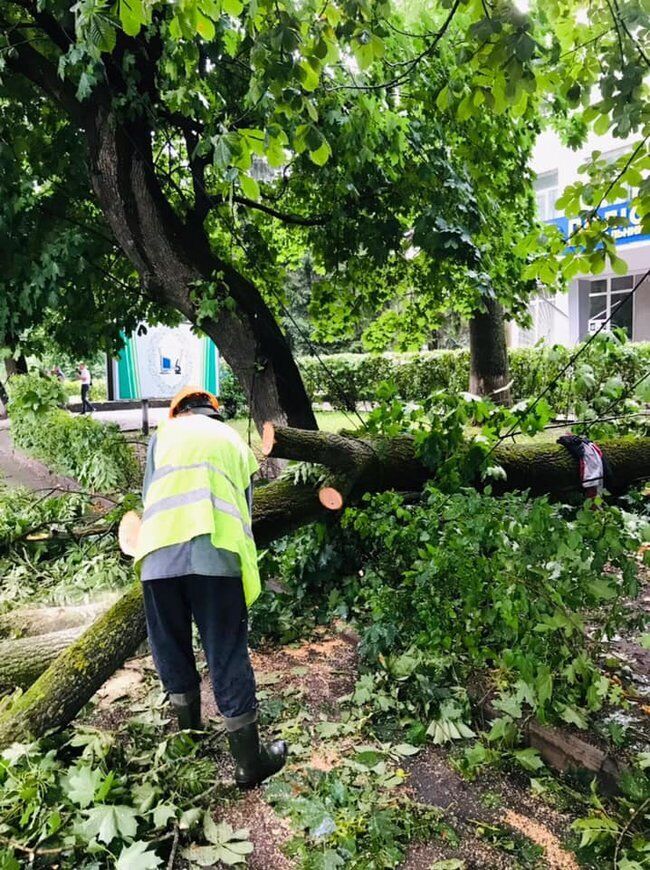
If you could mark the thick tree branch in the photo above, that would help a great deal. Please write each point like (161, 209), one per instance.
(30, 63)
(286, 217)
(198, 164)
(61, 34)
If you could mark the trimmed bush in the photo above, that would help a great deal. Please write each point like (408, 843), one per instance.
(355, 377)
(93, 453)
(98, 391)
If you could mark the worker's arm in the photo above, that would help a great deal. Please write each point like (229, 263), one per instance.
(150, 466)
(249, 498)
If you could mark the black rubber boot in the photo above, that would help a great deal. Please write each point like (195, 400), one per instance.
(187, 708)
(255, 761)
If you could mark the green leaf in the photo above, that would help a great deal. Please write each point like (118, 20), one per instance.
(105, 822)
(602, 590)
(528, 758)
(190, 818)
(465, 108)
(132, 16)
(249, 186)
(137, 857)
(406, 749)
(596, 829)
(543, 685)
(618, 265)
(81, 785)
(232, 7)
(162, 814)
(143, 794)
(201, 856)
(574, 717)
(602, 125)
(449, 864)
(7, 861)
(84, 87)
(205, 27)
(443, 99)
(322, 154)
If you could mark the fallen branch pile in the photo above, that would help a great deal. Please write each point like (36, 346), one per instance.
(357, 466)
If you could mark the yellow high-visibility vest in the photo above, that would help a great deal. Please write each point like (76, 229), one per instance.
(202, 470)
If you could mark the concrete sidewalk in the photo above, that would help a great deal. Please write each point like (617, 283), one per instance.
(130, 420)
(16, 469)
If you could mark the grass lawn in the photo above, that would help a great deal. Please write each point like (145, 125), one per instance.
(328, 421)
(334, 421)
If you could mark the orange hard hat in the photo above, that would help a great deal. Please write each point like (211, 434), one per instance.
(186, 392)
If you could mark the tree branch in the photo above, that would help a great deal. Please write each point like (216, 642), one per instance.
(60, 34)
(33, 65)
(286, 217)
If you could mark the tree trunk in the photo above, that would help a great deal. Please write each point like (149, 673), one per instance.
(173, 256)
(73, 678)
(370, 466)
(15, 365)
(27, 622)
(22, 661)
(366, 465)
(489, 375)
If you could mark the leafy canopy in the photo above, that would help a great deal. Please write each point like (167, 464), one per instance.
(356, 130)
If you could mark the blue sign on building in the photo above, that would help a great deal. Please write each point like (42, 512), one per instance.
(623, 235)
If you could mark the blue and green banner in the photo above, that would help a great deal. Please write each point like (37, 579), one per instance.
(157, 361)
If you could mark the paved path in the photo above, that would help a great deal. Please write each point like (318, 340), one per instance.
(16, 469)
(131, 420)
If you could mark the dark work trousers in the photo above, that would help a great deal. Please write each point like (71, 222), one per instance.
(85, 404)
(219, 610)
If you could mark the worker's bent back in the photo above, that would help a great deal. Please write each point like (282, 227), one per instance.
(199, 488)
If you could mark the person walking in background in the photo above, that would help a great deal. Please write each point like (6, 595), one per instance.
(57, 372)
(86, 384)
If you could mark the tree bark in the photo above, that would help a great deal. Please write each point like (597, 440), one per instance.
(173, 256)
(28, 622)
(369, 465)
(23, 660)
(15, 365)
(489, 375)
(72, 679)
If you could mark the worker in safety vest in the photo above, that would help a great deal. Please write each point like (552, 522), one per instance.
(198, 559)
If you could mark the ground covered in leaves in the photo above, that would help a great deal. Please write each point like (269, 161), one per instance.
(386, 804)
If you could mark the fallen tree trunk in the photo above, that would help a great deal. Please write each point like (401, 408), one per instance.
(358, 466)
(73, 678)
(364, 465)
(23, 660)
(32, 621)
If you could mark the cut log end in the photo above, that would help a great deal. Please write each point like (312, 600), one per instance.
(330, 498)
(268, 438)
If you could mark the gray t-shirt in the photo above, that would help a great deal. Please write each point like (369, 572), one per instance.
(197, 556)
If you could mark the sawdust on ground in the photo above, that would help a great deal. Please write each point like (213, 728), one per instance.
(557, 857)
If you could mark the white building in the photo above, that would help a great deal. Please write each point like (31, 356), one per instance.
(571, 317)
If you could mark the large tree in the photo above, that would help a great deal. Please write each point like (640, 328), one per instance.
(167, 109)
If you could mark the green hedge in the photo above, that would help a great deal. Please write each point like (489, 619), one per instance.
(98, 391)
(416, 375)
(93, 453)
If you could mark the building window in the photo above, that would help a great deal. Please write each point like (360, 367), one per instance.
(546, 193)
(611, 298)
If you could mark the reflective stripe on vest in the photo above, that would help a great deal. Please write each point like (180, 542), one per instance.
(199, 487)
(185, 499)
